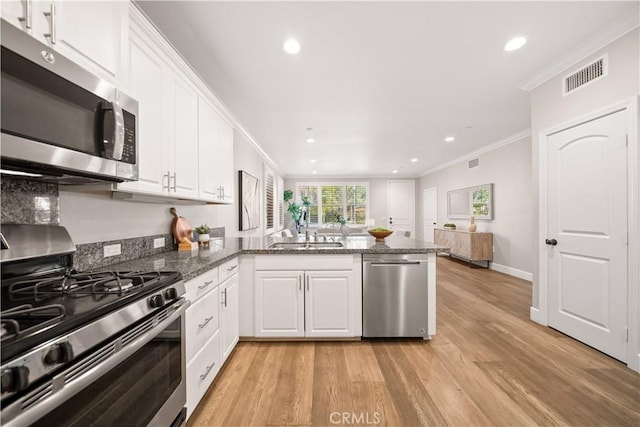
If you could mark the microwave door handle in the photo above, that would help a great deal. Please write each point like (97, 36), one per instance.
(118, 131)
(115, 151)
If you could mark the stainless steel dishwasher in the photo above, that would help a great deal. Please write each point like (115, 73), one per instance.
(394, 295)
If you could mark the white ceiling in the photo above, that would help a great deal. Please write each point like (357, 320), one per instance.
(379, 82)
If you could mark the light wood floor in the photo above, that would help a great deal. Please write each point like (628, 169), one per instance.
(488, 365)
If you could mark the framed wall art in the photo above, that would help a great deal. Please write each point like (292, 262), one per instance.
(249, 201)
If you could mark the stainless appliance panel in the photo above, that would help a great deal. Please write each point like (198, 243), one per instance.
(59, 120)
(149, 369)
(394, 296)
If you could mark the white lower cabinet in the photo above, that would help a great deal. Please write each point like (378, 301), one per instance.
(304, 304)
(229, 308)
(201, 370)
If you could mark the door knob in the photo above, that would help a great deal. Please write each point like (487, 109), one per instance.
(551, 242)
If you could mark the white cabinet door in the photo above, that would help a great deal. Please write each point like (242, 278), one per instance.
(147, 84)
(183, 151)
(201, 371)
(91, 33)
(279, 304)
(208, 125)
(88, 33)
(202, 320)
(215, 138)
(329, 304)
(229, 316)
(224, 163)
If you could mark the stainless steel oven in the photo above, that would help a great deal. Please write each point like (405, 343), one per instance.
(87, 348)
(140, 384)
(61, 121)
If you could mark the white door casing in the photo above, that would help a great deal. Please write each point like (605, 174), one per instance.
(401, 206)
(586, 271)
(430, 212)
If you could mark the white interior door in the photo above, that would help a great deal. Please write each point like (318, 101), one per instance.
(430, 209)
(587, 233)
(401, 206)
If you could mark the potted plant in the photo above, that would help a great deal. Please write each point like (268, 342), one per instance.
(449, 226)
(203, 233)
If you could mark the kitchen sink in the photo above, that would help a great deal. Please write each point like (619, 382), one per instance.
(306, 245)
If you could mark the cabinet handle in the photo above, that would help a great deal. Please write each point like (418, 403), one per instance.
(225, 297)
(203, 376)
(306, 279)
(233, 267)
(203, 324)
(168, 175)
(205, 284)
(27, 18)
(52, 19)
(175, 181)
(299, 283)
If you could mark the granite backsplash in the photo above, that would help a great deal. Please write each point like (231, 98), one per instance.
(29, 202)
(25, 201)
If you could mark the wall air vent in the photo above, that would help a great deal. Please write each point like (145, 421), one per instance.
(588, 74)
(474, 163)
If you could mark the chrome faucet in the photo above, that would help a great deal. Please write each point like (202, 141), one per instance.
(306, 225)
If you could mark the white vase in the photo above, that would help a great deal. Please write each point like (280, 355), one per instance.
(345, 230)
(203, 238)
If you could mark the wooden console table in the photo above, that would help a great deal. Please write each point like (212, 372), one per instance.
(466, 245)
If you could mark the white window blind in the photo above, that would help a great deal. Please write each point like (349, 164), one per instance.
(349, 201)
(269, 196)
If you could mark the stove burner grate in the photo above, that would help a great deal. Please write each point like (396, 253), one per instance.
(80, 284)
(25, 318)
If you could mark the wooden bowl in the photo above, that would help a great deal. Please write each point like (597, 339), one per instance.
(380, 235)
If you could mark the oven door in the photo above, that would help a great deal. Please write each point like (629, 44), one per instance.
(137, 379)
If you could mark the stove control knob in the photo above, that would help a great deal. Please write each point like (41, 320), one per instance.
(156, 301)
(58, 353)
(15, 379)
(171, 293)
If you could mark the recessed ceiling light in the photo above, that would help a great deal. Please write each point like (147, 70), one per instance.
(394, 171)
(312, 160)
(450, 139)
(314, 172)
(515, 44)
(291, 46)
(310, 140)
(414, 160)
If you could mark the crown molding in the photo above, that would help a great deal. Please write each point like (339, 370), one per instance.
(620, 27)
(490, 147)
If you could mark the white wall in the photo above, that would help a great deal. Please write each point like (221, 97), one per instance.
(97, 217)
(377, 194)
(549, 107)
(509, 169)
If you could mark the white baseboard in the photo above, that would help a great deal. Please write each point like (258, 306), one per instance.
(536, 316)
(521, 274)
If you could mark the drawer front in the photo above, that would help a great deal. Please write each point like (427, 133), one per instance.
(227, 269)
(202, 321)
(201, 371)
(202, 284)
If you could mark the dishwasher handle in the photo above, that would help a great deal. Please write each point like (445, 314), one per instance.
(382, 262)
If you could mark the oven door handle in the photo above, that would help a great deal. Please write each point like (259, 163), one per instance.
(100, 361)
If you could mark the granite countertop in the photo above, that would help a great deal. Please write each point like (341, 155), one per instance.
(195, 263)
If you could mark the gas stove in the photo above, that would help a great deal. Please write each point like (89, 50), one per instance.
(57, 323)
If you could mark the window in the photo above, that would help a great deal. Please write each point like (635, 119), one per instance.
(348, 201)
(273, 201)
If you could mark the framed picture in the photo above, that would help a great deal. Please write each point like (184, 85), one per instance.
(249, 201)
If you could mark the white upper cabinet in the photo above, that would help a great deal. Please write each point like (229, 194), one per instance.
(182, 160)
(147, 84)
(215, 137)
(88, 32)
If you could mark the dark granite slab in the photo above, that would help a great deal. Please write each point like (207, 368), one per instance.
(29, 202)
(195, 263)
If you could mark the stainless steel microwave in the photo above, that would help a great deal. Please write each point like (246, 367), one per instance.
(61, 121)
